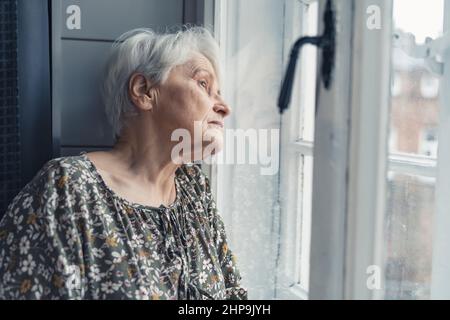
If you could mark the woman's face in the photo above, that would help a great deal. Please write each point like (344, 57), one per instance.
(190, 99)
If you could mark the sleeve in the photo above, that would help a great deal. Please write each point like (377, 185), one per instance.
(227, 259)
(40, 252)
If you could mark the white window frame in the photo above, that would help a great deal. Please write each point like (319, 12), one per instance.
(330, 189)
(347, 225)
(440, 277)
(368, 150)
(351, 156)
(291, 283)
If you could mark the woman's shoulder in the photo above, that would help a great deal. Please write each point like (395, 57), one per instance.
(54, 187)
(72, 163)
(56, 190)
(59, 175)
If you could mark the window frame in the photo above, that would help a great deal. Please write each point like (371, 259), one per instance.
(357, 231)
(345, 239)
(368, 150)
(441, 238)
(327, 257)
(290, 282)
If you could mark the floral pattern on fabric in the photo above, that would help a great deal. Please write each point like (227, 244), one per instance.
(67, 235)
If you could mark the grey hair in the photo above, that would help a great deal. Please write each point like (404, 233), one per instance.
(154, 55)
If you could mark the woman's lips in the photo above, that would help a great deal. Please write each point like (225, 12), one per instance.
(217, 123)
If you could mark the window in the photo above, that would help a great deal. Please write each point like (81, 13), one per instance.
(428, 142)
(362, 155)
(252, 35)
(396, 85)
(411, 177)
(297, 125)
(270, 215)
(429, 87)
(381, 183)
(409, 217)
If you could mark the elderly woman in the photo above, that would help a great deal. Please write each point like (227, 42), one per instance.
(135, 222)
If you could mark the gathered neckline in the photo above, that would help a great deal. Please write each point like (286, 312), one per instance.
(97, 175)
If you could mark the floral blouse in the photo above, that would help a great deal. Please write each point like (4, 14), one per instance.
(67, 235)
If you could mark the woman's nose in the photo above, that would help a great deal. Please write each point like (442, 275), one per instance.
(222, 108)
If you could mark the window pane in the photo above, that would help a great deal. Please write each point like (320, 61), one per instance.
(408, 236)
(252, 45)
(301, 19)
(307, 90)
(414, 124)
(414, 89)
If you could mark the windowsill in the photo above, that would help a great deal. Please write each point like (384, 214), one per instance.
(294, 292)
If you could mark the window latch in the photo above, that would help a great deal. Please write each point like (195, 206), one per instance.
(326, 42)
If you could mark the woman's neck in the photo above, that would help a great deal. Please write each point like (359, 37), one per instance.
(146, 160)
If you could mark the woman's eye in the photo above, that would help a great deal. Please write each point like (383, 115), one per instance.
(203, 84)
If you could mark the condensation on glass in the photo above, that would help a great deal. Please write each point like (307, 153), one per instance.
(414, 121)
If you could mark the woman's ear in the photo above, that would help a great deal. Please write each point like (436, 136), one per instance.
(141, 92)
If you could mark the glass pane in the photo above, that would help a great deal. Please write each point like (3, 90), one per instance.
(308, 65)
(414, 89)
(302, 21)
(252, 44)
(414, 122)
(408, 230)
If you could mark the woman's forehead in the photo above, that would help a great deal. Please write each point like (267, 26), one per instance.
(200, 62)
